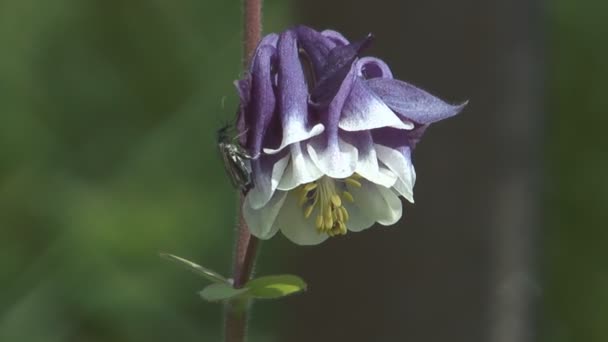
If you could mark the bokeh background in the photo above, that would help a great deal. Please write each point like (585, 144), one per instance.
(108, 113)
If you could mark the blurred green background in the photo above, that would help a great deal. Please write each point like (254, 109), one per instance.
(576, 198)
(108, 113)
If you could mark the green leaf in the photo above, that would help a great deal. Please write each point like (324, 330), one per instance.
(277, 286)
(197, 269)
(218, 292)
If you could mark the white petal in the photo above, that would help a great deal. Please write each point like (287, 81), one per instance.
(261, 222)
(374, 174)
(301, 169)
(402, 166)
(367, 163)
(296, 131)
(265, 185)
(336, 161)
(377, 203)
(394, 205)
(404, 190)
(357, 220)
(295, 226)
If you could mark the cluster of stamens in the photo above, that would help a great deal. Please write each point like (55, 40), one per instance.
(326, 195)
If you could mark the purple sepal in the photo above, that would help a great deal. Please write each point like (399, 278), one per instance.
(412, 103)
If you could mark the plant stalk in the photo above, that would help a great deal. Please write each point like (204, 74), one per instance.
(252, 31)
(236, 313)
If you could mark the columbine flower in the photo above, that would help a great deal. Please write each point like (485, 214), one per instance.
(331, 135)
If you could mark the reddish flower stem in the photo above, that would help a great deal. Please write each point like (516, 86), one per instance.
(246, 248)
(246, 244)
(252, 31)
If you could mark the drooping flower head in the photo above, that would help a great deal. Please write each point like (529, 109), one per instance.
(331, 134)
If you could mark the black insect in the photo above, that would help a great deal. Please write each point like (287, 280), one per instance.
(237, 161)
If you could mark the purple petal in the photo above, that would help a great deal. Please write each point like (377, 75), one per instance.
(331, 115)
(292, 94)
(364, 110)
(333, 156)
(414, 136)
(412, 103)
(339, 64)
(316, 46)
(268, 40)
(372, 67)
(397, 138)
(243, 88)
(335, 37)
(260, 101)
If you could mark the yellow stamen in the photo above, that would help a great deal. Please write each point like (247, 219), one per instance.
(342, 227)
(326, 195)
(344, 213)
(340, 215)
(348, 196)
(352, 182)
(303, 198)
(308, 211)
(319, 222)
(335, 199)
(329, 221)
(310, 186)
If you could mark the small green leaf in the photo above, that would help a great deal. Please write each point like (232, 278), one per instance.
(276, 286)
(218, 292)
(197, 269)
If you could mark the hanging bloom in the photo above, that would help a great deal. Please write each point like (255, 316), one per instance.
(331, 135)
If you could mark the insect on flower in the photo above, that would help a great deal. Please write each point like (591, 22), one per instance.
(236, 159)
